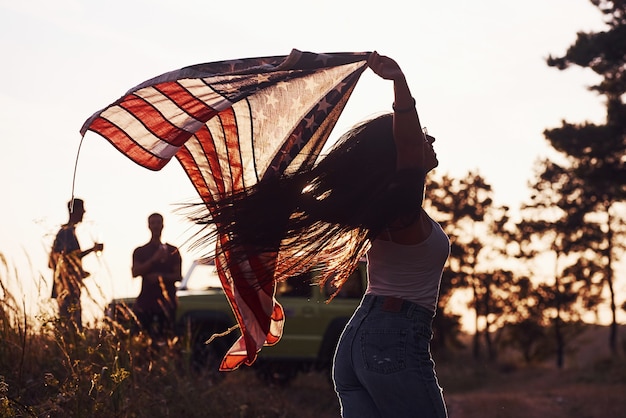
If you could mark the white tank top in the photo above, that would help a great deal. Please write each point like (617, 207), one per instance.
(411, 272)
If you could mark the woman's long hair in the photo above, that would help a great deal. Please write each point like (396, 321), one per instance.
(324, 217)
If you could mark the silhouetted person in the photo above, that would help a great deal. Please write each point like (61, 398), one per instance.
(159, 265)
(66, 262)
(383, 365)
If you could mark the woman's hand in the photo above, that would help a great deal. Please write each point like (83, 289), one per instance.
(385, 67)
(407, 131)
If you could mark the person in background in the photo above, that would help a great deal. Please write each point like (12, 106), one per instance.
(66, 263)
(159, 266)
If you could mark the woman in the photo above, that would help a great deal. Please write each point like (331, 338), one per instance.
(383, 366)
(366, 192)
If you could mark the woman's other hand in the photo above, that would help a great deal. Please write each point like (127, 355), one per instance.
(384, 67)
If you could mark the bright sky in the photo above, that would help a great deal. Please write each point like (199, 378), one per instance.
(477, 70)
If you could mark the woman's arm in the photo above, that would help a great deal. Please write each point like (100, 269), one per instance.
(407, 131)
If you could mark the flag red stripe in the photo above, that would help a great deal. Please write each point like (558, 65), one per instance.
(186, 101)
(229, 267)
(195, 175)
(208, 184)
(231, 136)
(154, 121)
(127, 145)
(278, 315)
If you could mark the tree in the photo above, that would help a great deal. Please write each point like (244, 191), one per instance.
(552, 223)
(446, 324)
(596, 152)
(501, 298)
(527, 331)
(463, 204)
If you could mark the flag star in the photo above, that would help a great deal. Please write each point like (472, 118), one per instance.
(284, 152)
(311, 84)
(271, 99)
(260, 115)
(323, 105)
(262, 78)
(298, 103)
(339, 87)
(299, 141)
(310, 122)
(282, 122)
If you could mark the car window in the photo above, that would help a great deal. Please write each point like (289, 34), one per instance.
(351, 289)
(296, 286)
(203, 276)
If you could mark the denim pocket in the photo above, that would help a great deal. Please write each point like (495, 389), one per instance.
(384, 350)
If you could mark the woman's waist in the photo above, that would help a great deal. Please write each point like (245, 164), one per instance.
(395, 304)
(425, 296)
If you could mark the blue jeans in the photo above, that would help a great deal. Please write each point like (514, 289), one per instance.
(383, 367)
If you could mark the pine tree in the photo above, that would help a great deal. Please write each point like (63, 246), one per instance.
(596, 152)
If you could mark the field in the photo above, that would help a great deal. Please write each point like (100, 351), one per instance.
(47, 370)
(544, 392)
(108, 373)
(593, 387)
(537, 393)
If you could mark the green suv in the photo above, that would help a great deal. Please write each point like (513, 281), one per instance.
(312, 325)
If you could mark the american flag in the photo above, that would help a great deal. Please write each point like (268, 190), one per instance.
(230, 124)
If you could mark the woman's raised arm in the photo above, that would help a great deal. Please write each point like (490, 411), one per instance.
(407, 131)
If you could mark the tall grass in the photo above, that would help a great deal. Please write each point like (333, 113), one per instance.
(48, 369)
(51, 370)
